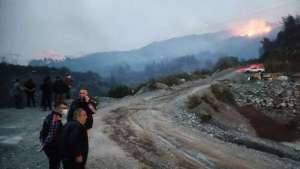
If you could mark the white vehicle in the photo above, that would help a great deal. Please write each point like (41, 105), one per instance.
(255, 68)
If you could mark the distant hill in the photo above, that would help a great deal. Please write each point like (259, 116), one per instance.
(205, 46)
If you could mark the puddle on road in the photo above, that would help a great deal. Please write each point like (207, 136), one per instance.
(10, 140)
(8, 127)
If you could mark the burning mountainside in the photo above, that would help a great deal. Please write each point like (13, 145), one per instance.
(50, 55)
(252, 28)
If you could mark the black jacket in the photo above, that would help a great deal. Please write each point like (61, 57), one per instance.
(58, 86)
(46, 88)
(74, 141)
(30, 87)
(45, 131)
(78, 103)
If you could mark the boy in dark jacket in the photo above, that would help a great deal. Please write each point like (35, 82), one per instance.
(75, 142)
(50, 135)
(86, 104)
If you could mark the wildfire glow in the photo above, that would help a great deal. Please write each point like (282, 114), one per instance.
(50, 54)
(252, 28)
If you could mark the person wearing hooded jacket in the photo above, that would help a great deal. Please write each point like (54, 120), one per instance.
(50, 134)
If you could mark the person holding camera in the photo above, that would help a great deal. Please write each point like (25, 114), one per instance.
(87, 104)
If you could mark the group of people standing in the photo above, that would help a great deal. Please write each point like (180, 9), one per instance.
(56, 90)
(64, 133)
(64, 136)
(18, 89)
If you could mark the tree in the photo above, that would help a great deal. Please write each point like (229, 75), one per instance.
(226, 62)
(282, 54)
(289, 22)
(120, 91)
(266, 44)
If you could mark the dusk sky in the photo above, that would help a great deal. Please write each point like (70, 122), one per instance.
(76, 27)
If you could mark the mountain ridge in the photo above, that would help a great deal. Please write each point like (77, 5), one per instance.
(218, 44)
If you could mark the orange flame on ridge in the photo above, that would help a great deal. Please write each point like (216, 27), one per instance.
(252, 28)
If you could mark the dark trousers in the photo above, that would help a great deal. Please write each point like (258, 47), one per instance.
(30, 99)
(72, 164)
(68, 93)
(58, 97)
(47, 101)
(18, 101)
(53, 157)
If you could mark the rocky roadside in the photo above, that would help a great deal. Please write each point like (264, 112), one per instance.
(277, 99)
(278, 104)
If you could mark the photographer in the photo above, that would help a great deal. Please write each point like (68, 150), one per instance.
(87, 104)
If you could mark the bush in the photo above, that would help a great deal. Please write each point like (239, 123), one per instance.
(152, 84)
(226, 62)
(172, 80)
(204, 116)
(120, 91)
(194, 101)
(223, 93)
(200, 74)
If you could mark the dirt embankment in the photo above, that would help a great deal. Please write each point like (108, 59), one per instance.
(262, 119)
(247, 123)
(268, 128)
(273, 107)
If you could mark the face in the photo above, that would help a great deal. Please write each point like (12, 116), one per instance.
(63, 109)
(82, 117)
(83, 93)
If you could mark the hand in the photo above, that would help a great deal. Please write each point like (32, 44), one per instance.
(79, 159)
(87, 99)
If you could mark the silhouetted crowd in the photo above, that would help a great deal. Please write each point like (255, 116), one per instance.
(51, 91)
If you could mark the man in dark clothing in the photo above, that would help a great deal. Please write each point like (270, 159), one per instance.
(46, 88)
(75, 142)
(68, 83)
(87, 104)
(58, 88)
(30, 89)
(50, 135)
(17, 92)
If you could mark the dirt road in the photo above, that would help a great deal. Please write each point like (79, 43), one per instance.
(148, 135)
